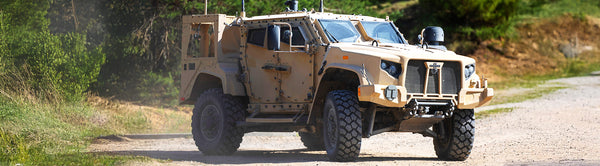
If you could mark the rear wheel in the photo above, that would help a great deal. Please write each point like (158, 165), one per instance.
(457, 136)
(342, 128)
(214, 123)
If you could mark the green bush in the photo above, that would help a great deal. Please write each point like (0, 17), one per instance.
(62, 65)
(470, 19)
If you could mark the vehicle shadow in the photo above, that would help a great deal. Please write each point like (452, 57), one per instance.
(257, 156)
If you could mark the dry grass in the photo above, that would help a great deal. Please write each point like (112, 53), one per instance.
(159, 120)
(15, 85)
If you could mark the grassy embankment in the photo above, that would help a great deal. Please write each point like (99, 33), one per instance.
(57, 134)
(39, 131)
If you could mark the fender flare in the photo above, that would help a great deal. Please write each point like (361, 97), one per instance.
(362, 74)
(227, 82)
(363, 79)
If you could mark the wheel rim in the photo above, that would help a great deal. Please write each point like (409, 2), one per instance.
(331, 128)
(212, 122)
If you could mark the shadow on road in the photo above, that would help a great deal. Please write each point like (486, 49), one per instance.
(257, 156)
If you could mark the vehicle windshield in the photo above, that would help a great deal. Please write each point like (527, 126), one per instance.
(385, 32)
(340, 30)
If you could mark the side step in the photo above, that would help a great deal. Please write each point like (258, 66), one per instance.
(273, 124)
(270, 120)
(275, 117)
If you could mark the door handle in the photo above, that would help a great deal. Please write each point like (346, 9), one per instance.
(276, 67)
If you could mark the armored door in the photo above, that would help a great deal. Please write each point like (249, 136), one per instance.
(296, 67)
(261, 80)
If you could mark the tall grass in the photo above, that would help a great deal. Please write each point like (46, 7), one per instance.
(16, 87)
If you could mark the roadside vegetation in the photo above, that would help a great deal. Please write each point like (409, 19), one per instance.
(71, 71)
(489, 113)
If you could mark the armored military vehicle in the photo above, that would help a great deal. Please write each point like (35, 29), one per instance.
(333, 78)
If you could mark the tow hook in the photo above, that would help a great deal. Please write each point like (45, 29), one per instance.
(415, 108)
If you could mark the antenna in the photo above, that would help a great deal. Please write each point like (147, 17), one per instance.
(321, 7)
(243, 14)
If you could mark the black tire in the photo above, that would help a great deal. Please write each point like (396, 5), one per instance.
(312, 141)
(214, 123)
(458, 136)
(342, 128)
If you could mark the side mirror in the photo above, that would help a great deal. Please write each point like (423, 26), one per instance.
(273, 37)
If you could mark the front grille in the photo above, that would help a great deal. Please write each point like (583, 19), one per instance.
(416, 78)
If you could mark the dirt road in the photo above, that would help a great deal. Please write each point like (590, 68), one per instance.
(558, 128)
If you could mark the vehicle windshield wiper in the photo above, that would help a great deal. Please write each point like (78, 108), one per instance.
(333, 37)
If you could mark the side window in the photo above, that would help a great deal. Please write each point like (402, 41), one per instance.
(297, 38)
(201, 41)
(256, 36)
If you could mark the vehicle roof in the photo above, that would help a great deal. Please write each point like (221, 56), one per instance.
(314, 16)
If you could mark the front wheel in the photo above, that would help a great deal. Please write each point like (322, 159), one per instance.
(342, 128)
(455, 136)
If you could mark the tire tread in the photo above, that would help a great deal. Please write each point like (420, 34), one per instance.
(231, 137)
(350, 125)
(462, 135)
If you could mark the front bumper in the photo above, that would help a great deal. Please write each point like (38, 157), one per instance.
(468, 98)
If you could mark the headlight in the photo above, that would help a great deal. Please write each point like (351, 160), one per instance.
(393, 69)
(469, 71)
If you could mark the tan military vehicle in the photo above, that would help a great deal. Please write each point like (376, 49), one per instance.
(333, 78)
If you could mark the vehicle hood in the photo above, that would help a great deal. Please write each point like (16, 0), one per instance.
(402, 52)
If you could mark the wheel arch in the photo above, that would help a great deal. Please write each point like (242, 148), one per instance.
(334, 78)
(226, 80)
(202, 83)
